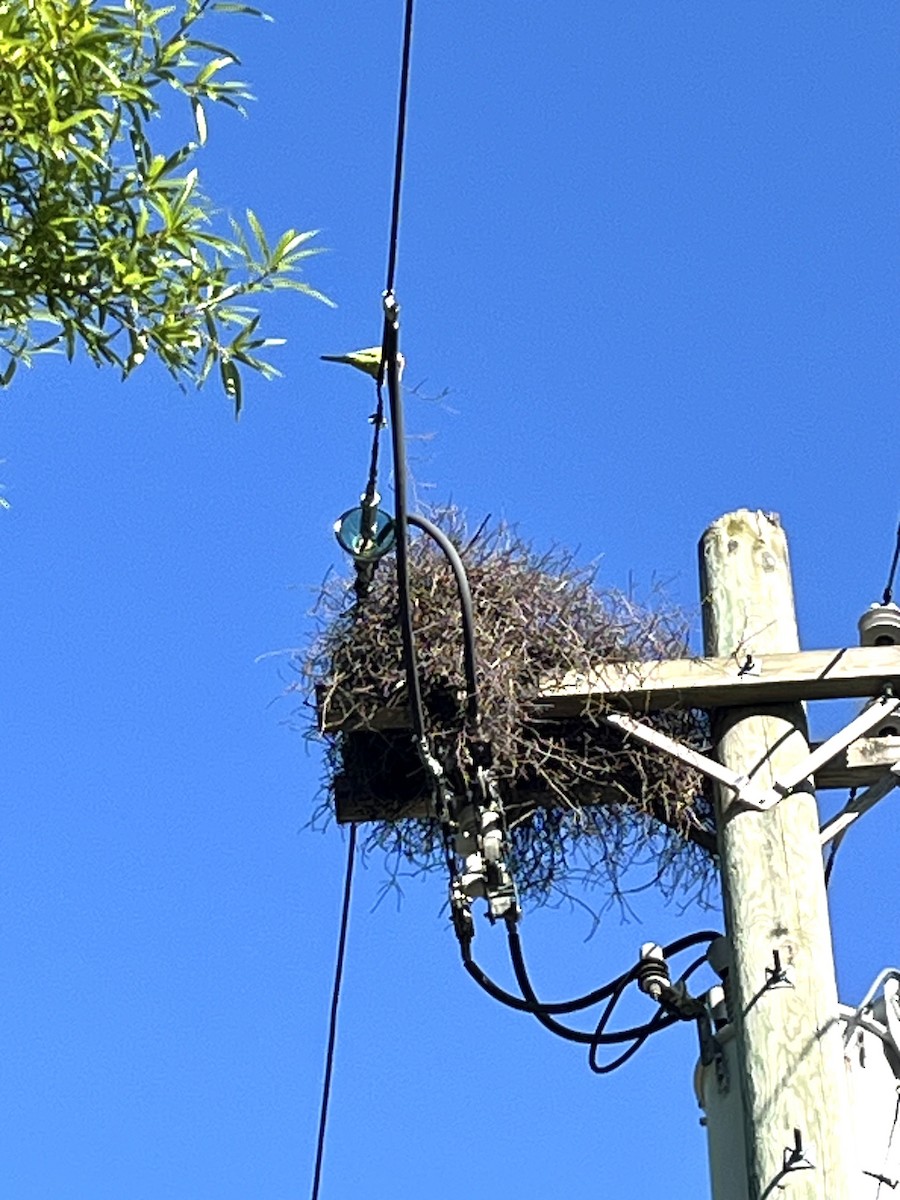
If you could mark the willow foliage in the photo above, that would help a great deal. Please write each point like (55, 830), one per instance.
(105, 241)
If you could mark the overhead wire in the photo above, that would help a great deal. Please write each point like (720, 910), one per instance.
(393, 238)
(391, 369)
(889, 586)
(332, 1022)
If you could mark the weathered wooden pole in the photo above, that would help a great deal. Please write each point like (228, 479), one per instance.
(781, 983)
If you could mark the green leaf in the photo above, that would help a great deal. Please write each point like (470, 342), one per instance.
(199, 120)
(231, 382)
(212, 67)
(258, 233)
(226, 6)
(80, 118)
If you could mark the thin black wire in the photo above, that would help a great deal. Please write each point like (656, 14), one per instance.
(889, 589)
(393, 237)
(401, 140)
(335, 1000)
(839, 837)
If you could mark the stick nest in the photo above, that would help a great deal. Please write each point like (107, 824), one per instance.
(584, 805)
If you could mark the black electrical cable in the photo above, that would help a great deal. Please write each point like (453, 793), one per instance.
(393, 240)
(335, 1001)
(390, 366)
(465, 601)
(401, 141)
(398, 446)
(659, 1021)
(559, 1008)
(537, 1010)
(889, 588)
(613, 991)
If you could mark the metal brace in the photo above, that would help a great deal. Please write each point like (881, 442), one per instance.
(740, 784)
(841, 821)
(745, 790)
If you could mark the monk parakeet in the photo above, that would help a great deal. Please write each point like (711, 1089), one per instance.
(368, 360)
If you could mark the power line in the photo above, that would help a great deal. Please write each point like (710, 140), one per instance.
(390, 368)
(335, 1001)
(393, 244)
(889, 588)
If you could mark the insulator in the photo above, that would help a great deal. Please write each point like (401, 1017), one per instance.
(651, 972)
(880, 626)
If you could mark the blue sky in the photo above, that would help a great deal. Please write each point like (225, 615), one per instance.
(651, 253)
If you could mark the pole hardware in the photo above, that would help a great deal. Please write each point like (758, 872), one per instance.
(776, 975)
(746, 792)
(711, 1020)
(880, 626)
(885, 1010)
(653, 979)
(479, 839)
(797, 1157)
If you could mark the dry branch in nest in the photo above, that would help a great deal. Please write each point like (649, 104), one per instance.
(583, 803)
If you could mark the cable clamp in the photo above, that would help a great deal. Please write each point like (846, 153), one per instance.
(391, 308)
(461, 913)
(479, 841)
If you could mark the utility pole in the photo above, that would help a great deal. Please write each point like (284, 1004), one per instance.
(781, 984)
(791, 1113)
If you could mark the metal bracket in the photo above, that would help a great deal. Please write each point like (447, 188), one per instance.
(841, 821)
(873, 714)
(745, 790)
(740, 784)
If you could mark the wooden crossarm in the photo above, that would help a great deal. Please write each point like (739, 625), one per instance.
(727, 682)
(681, 683)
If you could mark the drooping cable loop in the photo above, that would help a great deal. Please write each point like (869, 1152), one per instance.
(612, 992)
(465, 602)
(562, 1007)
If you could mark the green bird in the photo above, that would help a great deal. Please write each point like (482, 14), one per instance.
(368, 360)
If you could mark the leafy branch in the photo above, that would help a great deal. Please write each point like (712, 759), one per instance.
(105, 243)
